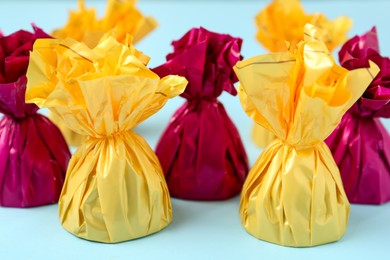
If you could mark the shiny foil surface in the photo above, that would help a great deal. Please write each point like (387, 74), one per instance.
(33, 152)
(115, 188)
(120, 19)
(361, 144)
(283, 21)
(293, 195)
(201, 152)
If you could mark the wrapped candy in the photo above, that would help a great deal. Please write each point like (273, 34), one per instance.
(114, 188)
(284, 20)
(33, 153)
(361, 144)
(200, 151)
(293, 194)
(121, 18)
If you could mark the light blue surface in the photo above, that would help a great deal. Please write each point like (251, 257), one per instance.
(200, 230)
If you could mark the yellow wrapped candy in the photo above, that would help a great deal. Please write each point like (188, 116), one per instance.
(284, 20)
(121, 18)
(114, 188)
(293, 195)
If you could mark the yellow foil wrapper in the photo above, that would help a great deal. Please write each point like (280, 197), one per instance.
(71, 137)
(260, 136)
(114, 188)
(283, 21)
(121, 18)
(293, 195)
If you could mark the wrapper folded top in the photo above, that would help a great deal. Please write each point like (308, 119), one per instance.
(323, 80)
(89, 88)
(358, 52)
(205, 59)
(14, 58)
(120, 19)
(281, 26)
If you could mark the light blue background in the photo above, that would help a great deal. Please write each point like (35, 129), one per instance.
(200, 230)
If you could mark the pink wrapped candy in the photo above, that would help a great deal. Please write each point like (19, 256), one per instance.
(201, 151)
(361, 144)
(33, 154)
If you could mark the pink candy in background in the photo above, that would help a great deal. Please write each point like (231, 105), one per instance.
(361, 144)
(33, 153)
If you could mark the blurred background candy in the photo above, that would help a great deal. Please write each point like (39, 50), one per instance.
(33, 153)
(361, 144)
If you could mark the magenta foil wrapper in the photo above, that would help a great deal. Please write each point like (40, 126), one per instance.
(361, 144)
(33, 153)
(201, 151)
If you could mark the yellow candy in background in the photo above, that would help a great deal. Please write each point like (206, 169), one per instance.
(121, 16)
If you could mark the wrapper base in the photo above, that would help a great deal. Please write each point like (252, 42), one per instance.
(33, 161)
(294, 197)
(201, 153)
(115, 190)
(361, 149)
